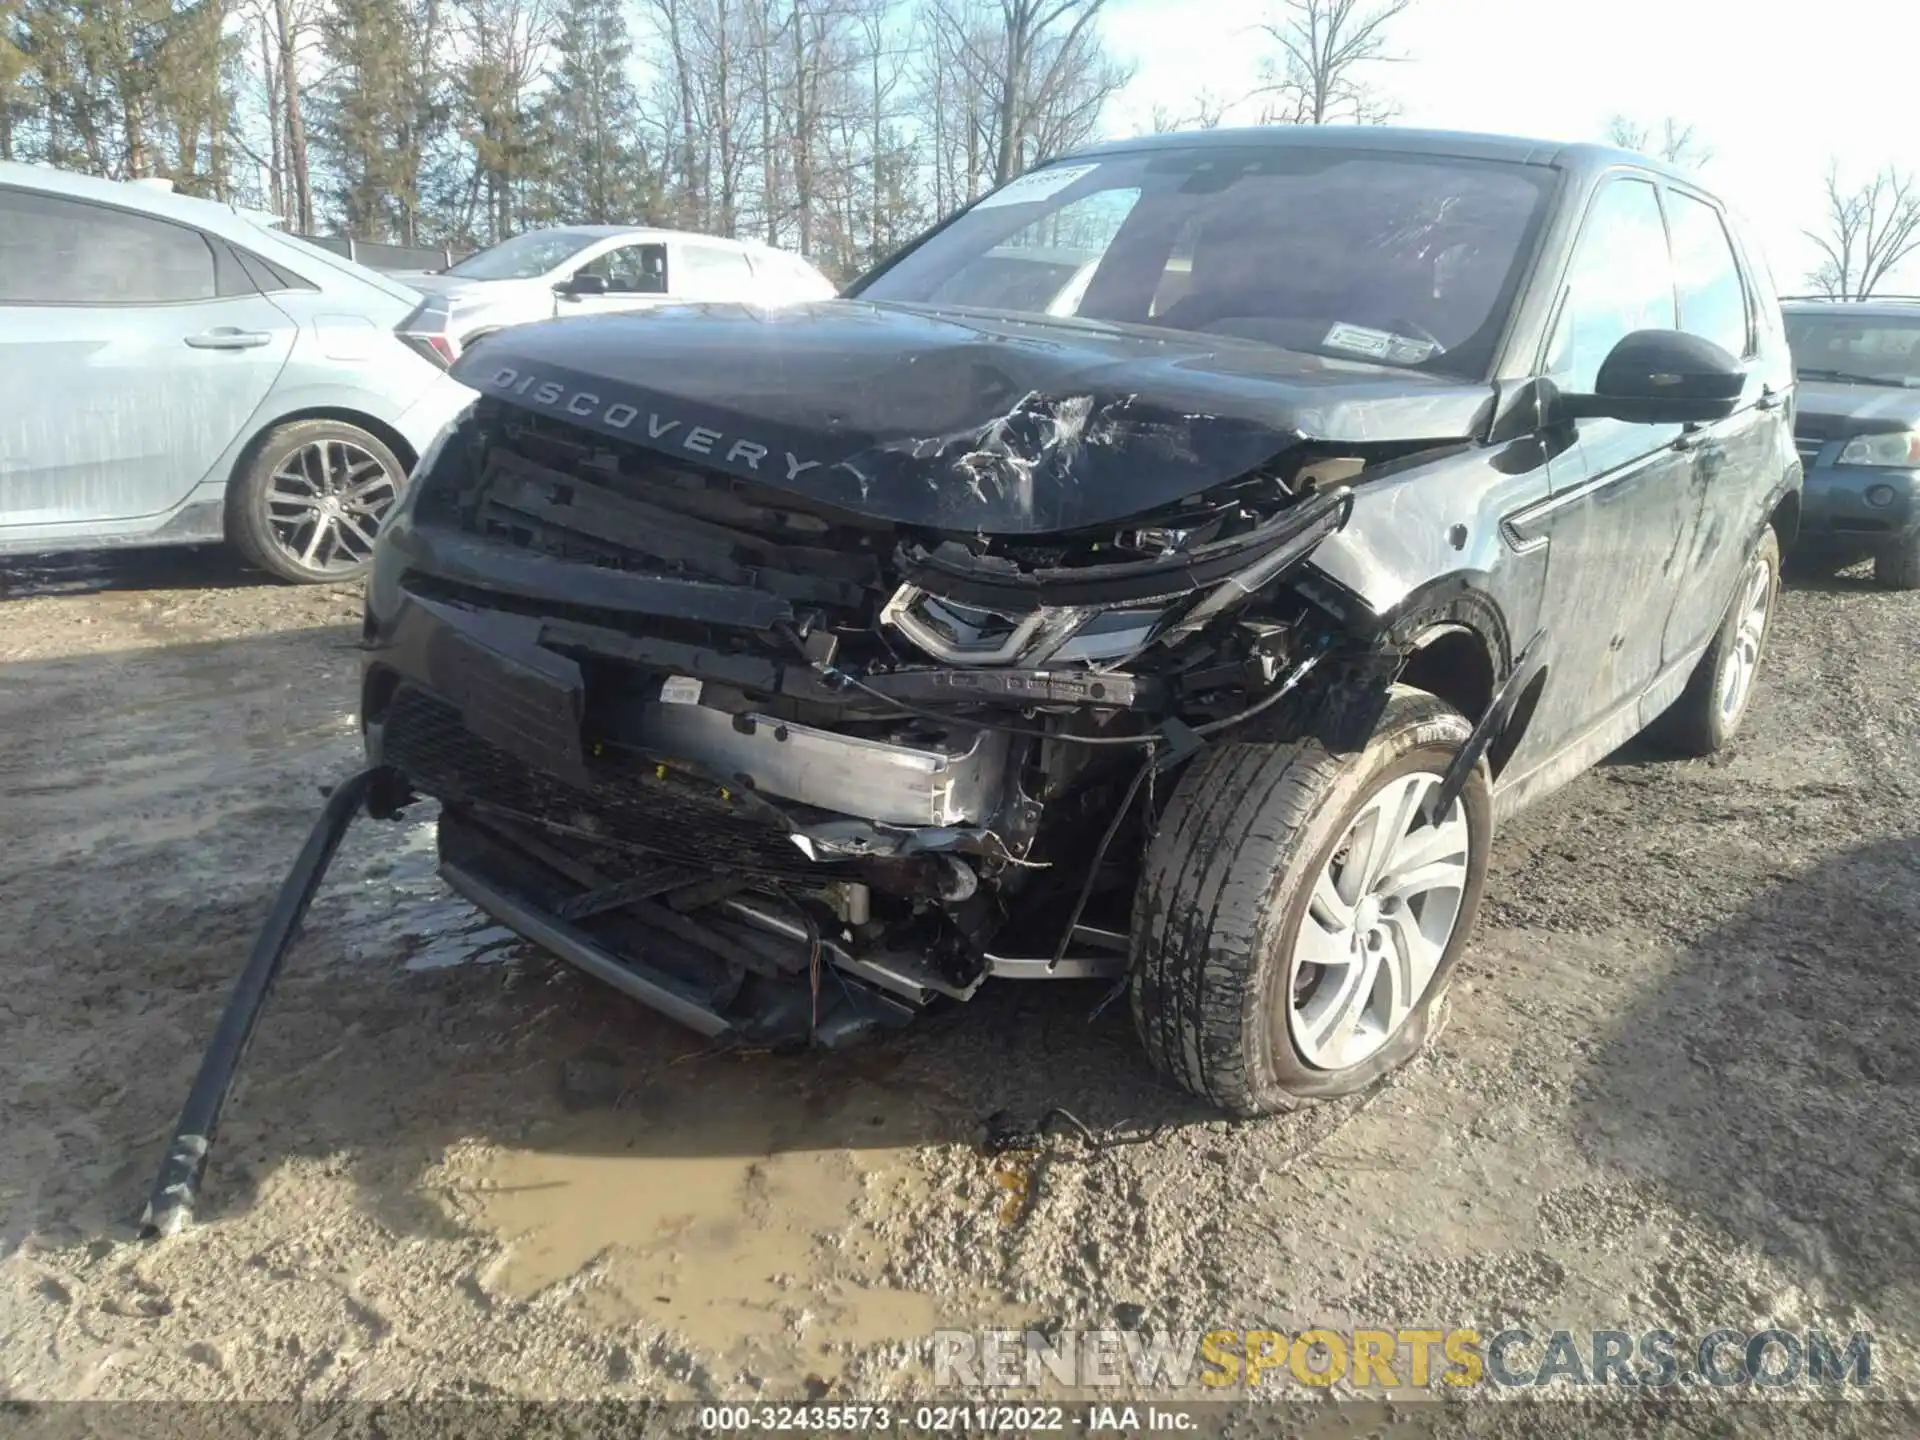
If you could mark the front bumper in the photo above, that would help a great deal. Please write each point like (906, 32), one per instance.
(481, 706)
(1858, 503)
(587, 858)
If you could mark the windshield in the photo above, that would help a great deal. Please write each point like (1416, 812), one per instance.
(1406, 260)
(524, 257)
(1860, 349)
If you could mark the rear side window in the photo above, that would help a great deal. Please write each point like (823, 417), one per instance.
(1713, 302)
(1768, 324)
(711, 265)
(56, 251)
(1621, 280)
(267, 277)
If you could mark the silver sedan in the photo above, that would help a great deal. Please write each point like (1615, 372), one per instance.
(174, 371)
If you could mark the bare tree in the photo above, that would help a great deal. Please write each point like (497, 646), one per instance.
(959, 56)
(835, 127)
(290, 26)
(286, 30)
(763, 29)
(891, 205)
(687, 185)
(1675, 142)
(1029, 57)
(1204, 112)
(1009, 83)
(717, 32)
(1318, 78)
(1868, 231)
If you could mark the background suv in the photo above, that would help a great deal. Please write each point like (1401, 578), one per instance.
(176, 372)
(1858, 431)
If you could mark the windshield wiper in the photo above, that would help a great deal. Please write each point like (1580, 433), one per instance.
(1847, 377)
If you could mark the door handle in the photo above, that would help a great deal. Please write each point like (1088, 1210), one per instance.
(228, 338)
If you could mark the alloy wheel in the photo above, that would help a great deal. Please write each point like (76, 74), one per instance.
(325, 503)
(1377, 923)
(1750, 633)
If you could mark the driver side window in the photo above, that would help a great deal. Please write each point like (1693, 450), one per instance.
(631, 270)
(1621, 280)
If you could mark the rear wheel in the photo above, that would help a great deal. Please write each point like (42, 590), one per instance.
(310, 503)
(1710, 709)
(1898, 567)
(1299, 914)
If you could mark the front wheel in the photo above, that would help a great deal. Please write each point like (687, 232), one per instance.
(1299, 912)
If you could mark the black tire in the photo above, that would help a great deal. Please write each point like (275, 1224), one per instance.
(1226, 886)
(1898, 566)
(1698, 723)
(253, 505)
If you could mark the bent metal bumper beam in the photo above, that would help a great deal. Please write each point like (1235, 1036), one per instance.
(176, 1190)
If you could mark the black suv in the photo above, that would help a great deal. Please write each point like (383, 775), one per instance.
(1858, 428)
(1164, 573)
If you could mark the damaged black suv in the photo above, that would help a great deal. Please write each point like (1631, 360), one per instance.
(1163, 573)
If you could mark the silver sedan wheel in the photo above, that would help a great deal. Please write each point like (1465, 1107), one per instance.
(1377, 924)
(325, 502)
(1750, 633)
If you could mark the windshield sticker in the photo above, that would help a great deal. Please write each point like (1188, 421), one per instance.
(1035, 185)
(1379, 344)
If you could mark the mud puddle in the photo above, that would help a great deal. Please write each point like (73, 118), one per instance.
(732, 1201)
(386, 894)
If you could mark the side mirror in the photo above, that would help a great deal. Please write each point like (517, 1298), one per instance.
(1661, 377)
(582, 285)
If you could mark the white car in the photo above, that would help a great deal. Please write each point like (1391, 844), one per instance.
(590, 269)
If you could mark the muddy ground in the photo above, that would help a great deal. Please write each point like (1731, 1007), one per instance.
(1678, 1085)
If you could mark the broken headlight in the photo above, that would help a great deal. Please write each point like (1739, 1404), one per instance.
(972, 635)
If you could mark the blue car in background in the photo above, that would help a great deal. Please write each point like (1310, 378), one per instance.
(1857, 428)
(175, 371)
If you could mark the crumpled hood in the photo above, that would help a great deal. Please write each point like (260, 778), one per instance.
(1826, 411)
(958, 420)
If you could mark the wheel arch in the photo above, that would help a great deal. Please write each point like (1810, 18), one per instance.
(1785, 519)
(1458, 647)
(1452, 660)
(346, 415)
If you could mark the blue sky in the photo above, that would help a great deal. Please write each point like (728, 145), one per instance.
(1773, 91)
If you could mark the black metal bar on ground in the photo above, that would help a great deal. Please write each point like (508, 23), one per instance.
(170, 1206)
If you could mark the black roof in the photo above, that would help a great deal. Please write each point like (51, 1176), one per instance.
(1394, 139)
